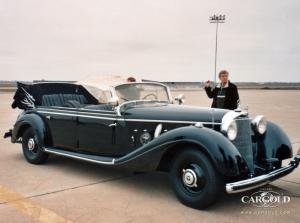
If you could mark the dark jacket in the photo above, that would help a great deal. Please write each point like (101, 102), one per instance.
(231, 96)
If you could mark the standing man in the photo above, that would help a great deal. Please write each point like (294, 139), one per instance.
(225, 95)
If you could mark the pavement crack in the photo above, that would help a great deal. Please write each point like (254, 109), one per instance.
(69, 188)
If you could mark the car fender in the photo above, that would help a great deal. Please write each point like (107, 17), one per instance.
(224, 155)
(29, 119)
(274, 143)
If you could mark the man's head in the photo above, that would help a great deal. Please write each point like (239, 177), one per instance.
(223, 76)
(131, 79)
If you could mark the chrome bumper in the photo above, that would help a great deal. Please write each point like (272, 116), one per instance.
(259, 181)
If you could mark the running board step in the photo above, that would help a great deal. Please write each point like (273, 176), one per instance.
(80, 156)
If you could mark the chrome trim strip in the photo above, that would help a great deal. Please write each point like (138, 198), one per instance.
(169, 121)
(76, 109)
(255, 182)
(77, 115)
(79, 157)
(129, 120)
(82, 112)
(105, 111)
(43, 107)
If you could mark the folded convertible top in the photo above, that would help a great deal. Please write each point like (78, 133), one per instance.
(31, 95)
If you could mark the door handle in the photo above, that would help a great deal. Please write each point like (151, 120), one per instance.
(113, 125)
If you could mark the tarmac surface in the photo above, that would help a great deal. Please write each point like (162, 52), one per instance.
(66, 190)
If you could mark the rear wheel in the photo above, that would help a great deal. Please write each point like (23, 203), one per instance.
(194, 179)
(32, 147)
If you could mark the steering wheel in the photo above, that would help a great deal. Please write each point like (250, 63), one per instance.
(151, 94)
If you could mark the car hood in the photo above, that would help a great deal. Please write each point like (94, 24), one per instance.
(171, 112)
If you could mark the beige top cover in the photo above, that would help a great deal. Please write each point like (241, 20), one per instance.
(99, 85)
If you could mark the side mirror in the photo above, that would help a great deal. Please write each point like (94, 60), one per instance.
(180, 98)
(114, 101)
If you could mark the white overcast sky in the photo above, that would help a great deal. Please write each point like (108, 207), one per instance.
(164, 40)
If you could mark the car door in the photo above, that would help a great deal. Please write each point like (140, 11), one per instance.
(97, 131)
(62, 123)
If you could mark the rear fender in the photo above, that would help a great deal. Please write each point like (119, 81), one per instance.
(33, 120)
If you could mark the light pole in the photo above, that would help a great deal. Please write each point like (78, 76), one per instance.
(216, 19)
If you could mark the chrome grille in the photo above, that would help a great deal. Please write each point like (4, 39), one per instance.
(243, 141)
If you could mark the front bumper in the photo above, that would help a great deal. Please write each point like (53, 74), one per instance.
(259, 181)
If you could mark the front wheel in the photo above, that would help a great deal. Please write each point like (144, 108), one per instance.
(32, 147)
(194, 179)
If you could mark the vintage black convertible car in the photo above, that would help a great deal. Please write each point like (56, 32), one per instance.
(138, 126)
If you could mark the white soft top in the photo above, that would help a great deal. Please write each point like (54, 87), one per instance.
(99, 85)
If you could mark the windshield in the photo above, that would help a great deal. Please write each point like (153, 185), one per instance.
(141, 91)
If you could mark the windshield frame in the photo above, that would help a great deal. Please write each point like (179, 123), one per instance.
(114, 93)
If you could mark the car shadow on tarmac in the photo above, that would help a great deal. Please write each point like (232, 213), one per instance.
(156, 184)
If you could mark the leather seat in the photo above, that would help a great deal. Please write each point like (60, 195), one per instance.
(61, 99)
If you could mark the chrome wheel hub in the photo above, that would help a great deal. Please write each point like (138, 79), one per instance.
(189, 178)
(31, 144)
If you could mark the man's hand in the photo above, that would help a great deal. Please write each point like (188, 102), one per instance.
(207, 84)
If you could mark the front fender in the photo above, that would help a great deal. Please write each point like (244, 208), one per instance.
(26, 120)
(224, 155)
(274, 143)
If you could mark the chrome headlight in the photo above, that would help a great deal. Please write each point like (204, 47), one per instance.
(230, 129)
(259, 124)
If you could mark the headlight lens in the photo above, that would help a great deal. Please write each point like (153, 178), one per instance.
(260, 124)
(230, 129)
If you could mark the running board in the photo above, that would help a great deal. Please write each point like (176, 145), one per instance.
(81, 156)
